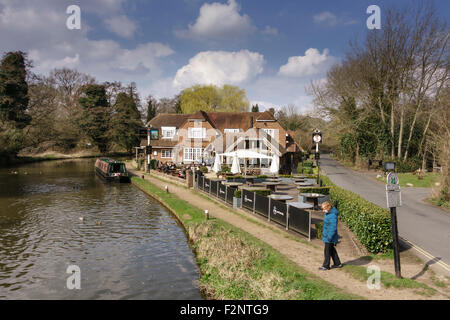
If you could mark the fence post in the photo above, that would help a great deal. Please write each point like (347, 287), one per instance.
(218, 187)
(226, 194)
(270, 209)
(309, 228)
(254, 201)
(287, 217)
(203, 183)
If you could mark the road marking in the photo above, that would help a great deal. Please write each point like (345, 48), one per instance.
(426, 254)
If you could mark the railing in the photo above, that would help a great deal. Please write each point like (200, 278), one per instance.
(291, 218)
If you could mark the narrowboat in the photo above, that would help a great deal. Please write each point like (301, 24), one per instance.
(111, 170)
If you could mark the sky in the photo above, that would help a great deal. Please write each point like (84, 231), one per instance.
(272, 49)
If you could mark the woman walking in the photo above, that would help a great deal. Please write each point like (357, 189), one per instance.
(330, 236)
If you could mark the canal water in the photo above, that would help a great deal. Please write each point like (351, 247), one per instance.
(58, 214)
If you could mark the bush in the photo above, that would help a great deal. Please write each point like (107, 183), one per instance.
(263, 193)
(370, 223)
(406, 166)
(319, 229)
(139, 164)
(262, 176)
(321, 190)
(204, 170)
(237, 193)
(225, 169)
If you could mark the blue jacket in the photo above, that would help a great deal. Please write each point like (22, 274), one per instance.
(330, 221)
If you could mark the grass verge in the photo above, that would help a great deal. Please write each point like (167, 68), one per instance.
(428, 181)
(236, 265)
(389, 280)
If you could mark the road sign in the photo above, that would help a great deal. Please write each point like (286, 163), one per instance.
(393, 193)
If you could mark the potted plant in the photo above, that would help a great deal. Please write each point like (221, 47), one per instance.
(237, 199)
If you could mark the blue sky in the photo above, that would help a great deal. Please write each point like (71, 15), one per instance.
(273, 49)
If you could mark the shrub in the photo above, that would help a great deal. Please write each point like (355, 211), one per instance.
(406, 166)
(319, 229)
(370, 223)
(321, 190)
(237, 193)
(263, 193)
(139, 164)
(204, 170)
(225, 169)
(285, 175)
(262, 176)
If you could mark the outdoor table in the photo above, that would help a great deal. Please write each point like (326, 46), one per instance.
(250, 179)
(304, 184)
(273, 180)
(233, 184)
(299, 176)
(299, 179)
(301, 205)
(314, 196)
(280, 197)
(271, 185)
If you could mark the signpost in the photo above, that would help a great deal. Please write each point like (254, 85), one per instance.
(394, 200)
(317, 138)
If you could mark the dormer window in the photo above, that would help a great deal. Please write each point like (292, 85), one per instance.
(168, 132)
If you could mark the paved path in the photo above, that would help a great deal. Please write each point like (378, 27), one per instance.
(422, 224)
(308, 256)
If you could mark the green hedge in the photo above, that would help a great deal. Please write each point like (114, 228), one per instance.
(321, 190)
(237, 193)
(370, 223)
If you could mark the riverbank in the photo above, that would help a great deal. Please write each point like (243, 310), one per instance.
(19, 160)
(235, 265)
(275, 255)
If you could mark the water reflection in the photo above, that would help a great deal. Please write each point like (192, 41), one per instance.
(49, 214)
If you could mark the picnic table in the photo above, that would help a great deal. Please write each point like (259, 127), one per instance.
(272, 185)
(233, 184)
(304, 184)
(301, 205)
(314, 196)
(250, 179)
(281, 197)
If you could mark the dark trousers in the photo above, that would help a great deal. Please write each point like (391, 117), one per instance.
(330, 250)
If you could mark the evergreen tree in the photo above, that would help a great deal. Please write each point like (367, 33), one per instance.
(94, 118)
(255, 108)
(14, 90)
(151, 110)
(125, 122)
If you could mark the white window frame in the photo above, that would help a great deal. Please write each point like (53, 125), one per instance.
(164, 153)
(196, 133)
(165, 130)
(192, 154)
(270, 132)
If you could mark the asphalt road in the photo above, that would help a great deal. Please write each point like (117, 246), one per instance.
(422, 224)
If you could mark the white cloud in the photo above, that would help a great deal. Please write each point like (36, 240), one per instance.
(39, 28)
(268, 30)
(219, 21)
(312, 63)
(220, 67)
(121, 25)
(326, 17)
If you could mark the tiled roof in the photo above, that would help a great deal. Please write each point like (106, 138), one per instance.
(168, 120)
